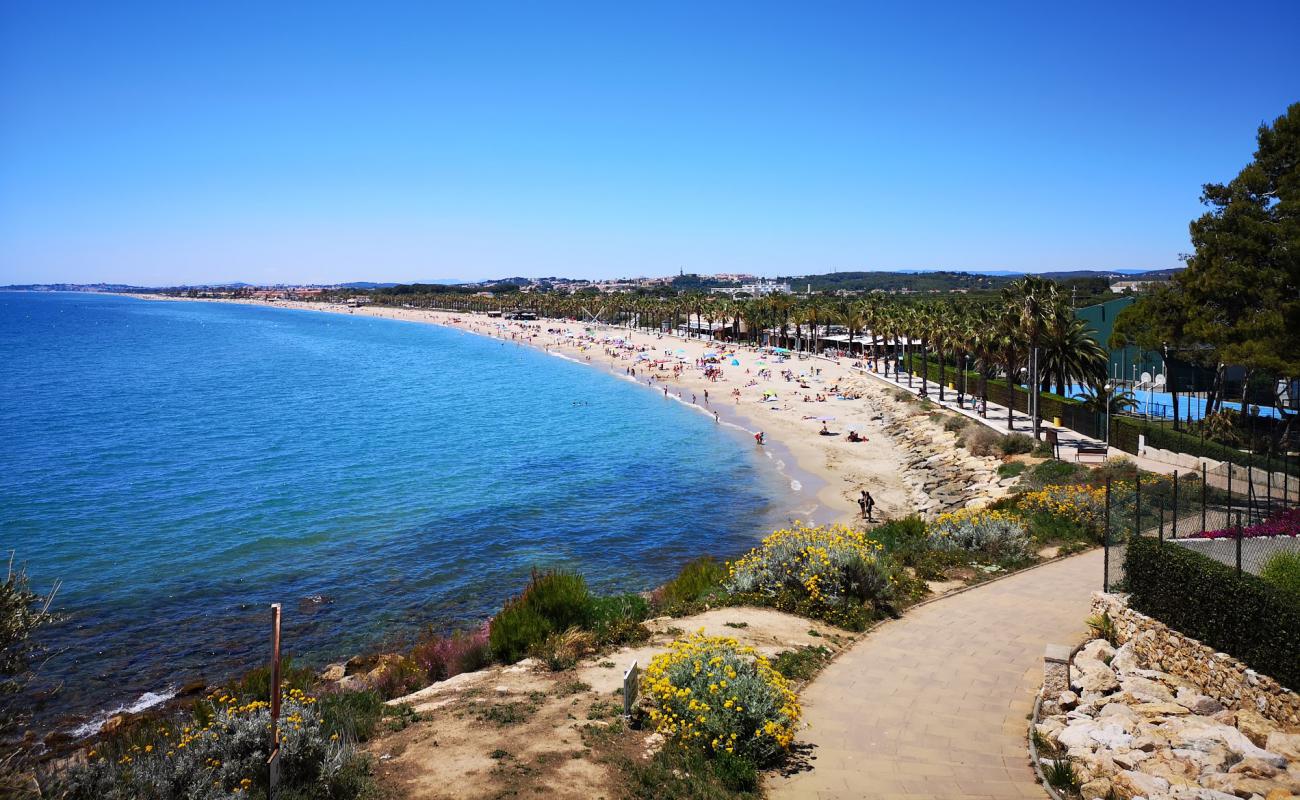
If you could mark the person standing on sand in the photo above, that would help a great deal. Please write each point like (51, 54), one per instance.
(866, 502)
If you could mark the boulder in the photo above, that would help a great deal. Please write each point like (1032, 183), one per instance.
(1145, 690)
(1198, 703)
(1255, 726)
(1096, 650)
(1199, 793)
(1216, 759)
(1239, 785)
(1093, 677)
(1129, 784)
(334, 672)
(1096, 789)
(1286, 745)
(1091, 733)
(1279, 794)
(1164, 765)
(1254, 768)
(1200, 733)
(1125, 658)
(1160, 709)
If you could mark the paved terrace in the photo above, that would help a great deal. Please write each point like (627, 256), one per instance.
(935, 705)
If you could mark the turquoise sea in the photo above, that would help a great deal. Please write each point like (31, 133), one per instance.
(179, 466)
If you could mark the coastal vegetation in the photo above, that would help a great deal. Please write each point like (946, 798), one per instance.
(709, 692)
(23, 611)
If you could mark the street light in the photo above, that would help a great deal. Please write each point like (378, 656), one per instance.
(1108, 388)
(966, 378)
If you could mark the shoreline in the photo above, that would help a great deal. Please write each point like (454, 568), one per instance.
(822, 474)
(828, 470)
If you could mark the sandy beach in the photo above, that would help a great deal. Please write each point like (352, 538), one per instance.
(788, 399)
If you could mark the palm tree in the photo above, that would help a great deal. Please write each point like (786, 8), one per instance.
(1009, 346)
(1070, 354)
(1032, 298)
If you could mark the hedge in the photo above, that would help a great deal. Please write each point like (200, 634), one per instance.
(1242, 615)
(1074, 414)
(1127, 429)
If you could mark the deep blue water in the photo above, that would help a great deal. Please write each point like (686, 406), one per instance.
(178, 466)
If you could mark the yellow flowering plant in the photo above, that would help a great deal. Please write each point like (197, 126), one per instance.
(1080, 503)
(712, 693)
(821, 570)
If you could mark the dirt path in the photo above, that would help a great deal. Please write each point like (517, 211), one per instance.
(935, 705)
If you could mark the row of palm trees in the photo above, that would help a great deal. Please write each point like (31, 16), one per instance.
(1027, 335)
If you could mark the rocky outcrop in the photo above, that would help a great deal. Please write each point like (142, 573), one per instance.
(1217, 677)
(1132, 730)
(941, 475)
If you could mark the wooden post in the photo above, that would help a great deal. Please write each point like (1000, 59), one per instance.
(273, 762)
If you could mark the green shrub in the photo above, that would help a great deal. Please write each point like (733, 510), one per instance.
(561, 598)
(1242, 615)
(980, 440)
(1047, 527)
(1060, 775)
(697, 580)
(993, 535)
(515, 630)
(1011, 469)
(901, 537)
(802, 664)
(1283, 571)
(955, 423)
(1016, 444)
(552, 602)
(617, 619)
(256, 683)
(1054, 472)
(226, 757)
(683, 773)
(352, 715)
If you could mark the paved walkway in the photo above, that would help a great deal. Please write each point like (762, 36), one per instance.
(996, 418)
(935, 705)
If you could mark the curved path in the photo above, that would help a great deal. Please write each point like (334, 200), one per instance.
(935, 705)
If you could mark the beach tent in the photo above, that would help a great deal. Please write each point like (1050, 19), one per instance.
(735, 363)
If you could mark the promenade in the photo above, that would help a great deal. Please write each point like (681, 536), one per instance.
(935, 705)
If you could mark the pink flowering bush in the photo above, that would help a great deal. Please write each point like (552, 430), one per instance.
(1285, 524)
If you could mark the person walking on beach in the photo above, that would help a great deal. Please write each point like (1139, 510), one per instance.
(759, 437)
(866, 502)
(706, 397)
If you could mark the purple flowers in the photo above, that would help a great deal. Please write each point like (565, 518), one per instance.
(1285, 524)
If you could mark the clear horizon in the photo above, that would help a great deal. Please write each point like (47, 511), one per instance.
(160, 145)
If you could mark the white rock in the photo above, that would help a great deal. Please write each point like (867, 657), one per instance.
(1091, 733)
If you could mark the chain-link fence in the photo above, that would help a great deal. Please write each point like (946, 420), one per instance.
(1239, 516)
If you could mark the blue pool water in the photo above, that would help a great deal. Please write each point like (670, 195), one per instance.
(178, 466)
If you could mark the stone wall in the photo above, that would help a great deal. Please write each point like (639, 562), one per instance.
(1218, 675)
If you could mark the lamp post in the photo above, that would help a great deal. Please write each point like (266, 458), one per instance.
(1108, 388)
(966, 377)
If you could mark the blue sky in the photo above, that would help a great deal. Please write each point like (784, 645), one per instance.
(191, 142)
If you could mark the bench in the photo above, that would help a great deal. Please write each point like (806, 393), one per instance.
(1086, 449)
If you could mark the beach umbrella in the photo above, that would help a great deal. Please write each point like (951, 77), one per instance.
(825, 419)
(782, 350)
(710, 355)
